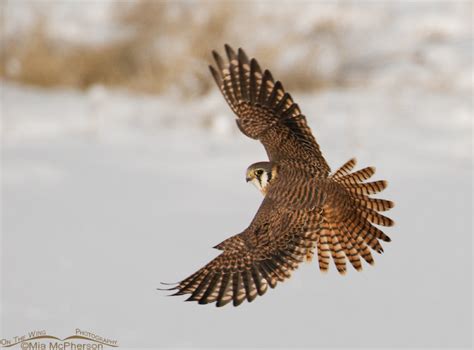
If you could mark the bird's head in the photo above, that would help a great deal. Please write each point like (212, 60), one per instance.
(261, 174)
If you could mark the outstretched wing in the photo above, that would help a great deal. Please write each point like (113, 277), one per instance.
(349, 218)
(261, 256)
(264, 110)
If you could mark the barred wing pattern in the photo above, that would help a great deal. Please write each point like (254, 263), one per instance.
(264, 110)
(261, 256)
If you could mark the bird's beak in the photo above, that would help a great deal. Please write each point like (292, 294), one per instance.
(248, 179)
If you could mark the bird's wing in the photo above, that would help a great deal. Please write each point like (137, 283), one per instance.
(264, 254)
(264, 110)
(349, 215)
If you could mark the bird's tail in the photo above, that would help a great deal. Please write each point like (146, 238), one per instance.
(348, 226)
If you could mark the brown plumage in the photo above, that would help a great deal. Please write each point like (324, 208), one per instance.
(304, 208)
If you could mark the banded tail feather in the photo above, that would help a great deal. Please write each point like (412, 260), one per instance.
(349, 227)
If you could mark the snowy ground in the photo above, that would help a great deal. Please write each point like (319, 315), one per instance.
(106, 194)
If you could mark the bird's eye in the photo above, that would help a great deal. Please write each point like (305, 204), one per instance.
(259, 172)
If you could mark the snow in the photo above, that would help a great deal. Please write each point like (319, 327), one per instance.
(105, 193)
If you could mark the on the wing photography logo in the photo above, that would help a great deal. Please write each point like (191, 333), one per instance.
(42, 340)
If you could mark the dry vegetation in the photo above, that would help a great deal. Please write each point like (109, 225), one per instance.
(166, 46)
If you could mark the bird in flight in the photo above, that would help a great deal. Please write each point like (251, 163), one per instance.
(306, 208)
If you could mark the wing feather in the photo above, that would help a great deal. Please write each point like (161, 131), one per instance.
(266, 253)
(206, 297)
(264, 110)
(225, 296)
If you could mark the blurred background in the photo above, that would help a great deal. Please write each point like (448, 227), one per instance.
(122, 166)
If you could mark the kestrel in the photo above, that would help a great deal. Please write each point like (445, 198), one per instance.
(305, 206)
